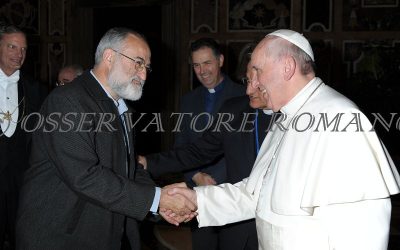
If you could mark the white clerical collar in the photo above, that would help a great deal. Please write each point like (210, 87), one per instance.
(212, 91)
(268, 111)
(300, 98)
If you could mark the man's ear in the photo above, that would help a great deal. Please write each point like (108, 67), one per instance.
(289, 67)
(221, 60)
(108, 56)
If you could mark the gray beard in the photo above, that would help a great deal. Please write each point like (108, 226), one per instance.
(126, 90)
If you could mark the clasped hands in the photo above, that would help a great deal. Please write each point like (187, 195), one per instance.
(178, 203)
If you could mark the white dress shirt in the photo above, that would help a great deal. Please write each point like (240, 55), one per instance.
(9, 102)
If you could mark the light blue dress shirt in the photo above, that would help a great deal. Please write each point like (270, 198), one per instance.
(122, 108)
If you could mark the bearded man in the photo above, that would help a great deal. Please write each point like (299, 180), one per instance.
(84, 189)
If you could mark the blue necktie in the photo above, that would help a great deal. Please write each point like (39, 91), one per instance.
(126, 140)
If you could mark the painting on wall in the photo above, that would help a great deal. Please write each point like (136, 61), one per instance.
(253, 15)
(204, 16)
(380, 3)
(371, 15)
(318, 21)
(22, 13)
(373, 70)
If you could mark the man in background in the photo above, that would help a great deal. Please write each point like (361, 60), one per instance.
(68, 73)
(84, 189)
(203, 102)
(20, 96)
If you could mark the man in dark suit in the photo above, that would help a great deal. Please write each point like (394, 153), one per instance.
(202, 104)
(239, 143)
(19, 97)
(84, 189)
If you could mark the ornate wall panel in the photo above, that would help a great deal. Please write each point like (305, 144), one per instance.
(56, 56)
(373, 68)
(371, 15)
(56, 16)
(320, 20)
(204, 16)
(253, 15)
(23, 13)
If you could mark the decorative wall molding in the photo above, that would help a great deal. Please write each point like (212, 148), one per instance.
(22, 13)
(379, 3)
(56, 17)
(371, 15)
(204, 16)
(320, 20)
(56, 57)
(255, 15)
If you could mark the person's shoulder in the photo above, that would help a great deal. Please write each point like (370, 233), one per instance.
(73, 91)
(242, 100)
(193, 93)
(330, 99)
(31, 83)
(236, 104)
(239, 88)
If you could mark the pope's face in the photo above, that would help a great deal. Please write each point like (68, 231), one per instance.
(207, 67)
(12, 52)
(267, 76)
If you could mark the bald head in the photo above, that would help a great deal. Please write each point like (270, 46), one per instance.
(68, 73)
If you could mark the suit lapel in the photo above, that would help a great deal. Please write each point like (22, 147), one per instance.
(107, 107)
(131, 136)
(21, 100)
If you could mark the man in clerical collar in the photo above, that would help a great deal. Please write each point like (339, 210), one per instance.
(203, 102)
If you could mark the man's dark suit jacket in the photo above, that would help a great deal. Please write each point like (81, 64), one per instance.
(239, 150)
(15, 150)
(194, 102)
(76, 194)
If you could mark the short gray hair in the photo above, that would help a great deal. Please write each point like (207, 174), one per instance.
(280, 47)
(78, 69)
(113, 39)
(9, 29)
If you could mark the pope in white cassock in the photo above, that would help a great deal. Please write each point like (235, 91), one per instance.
(322, 179)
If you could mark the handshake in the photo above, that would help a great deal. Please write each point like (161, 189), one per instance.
(178, 203)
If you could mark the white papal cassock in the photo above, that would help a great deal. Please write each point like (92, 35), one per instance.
(322, 180)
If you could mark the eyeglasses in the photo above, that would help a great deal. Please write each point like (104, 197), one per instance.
(246, 81)
(61, 83)
(139, 64)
